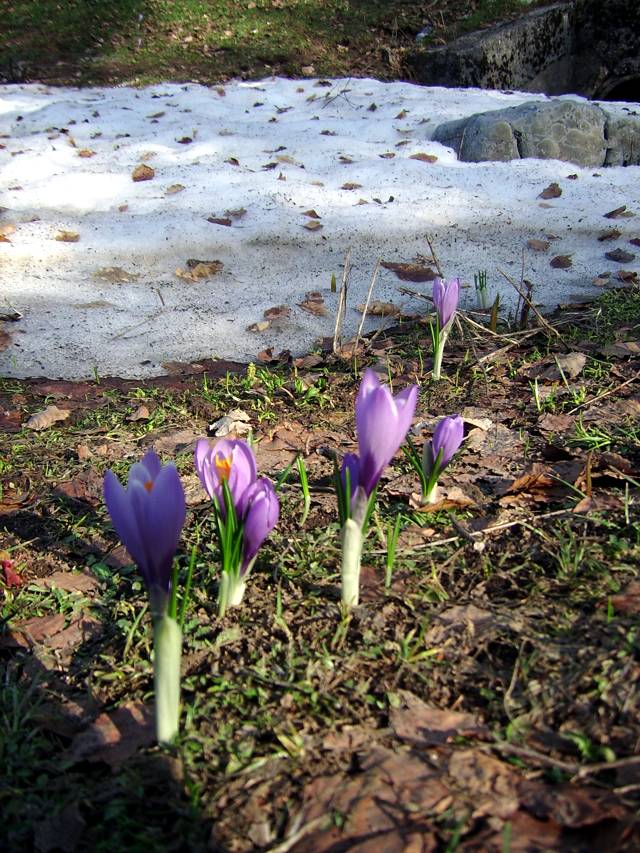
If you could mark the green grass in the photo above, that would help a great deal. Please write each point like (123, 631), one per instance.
(146, 41)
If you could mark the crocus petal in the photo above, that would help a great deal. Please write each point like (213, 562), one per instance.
(229, 459)
(350, 463)
(445, 298)
(124, 523)
(447, 437)
(261, 516)
(166, 512)
(148, 516)
(382, 422)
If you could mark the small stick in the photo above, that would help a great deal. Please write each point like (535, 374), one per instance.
(366, 304)
(605, 393)
(434, 256)
(342, 304)
(543, 322)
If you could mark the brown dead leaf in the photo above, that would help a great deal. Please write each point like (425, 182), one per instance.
(424, 158)
(490, 783)
(233, 161)
(277, 312)
(627, 276)
(313, 225)
(388, 155)
(343, 158)
(174, 188)
(67, 236)
(561, 262)
(85, 486)
(618, 211)
(235, 213)
(142, 172)
(86, 153)
(311, 214)
(46, 418)
(219, 220)
(452, 498)
(24, 634)
(538, 245)
(552, 191)
(620, 256)
(385, 803)
(635, 241)
(628, 600)
(82, 582)
(116, 275)
(82, 630)
(417, 723)
(7, 230)
(556, 423)
(259, 326)
(410, 272)
(379, 309)
(115, 736)
(350, 186)
(314, 304)
(623, 349)
(140, 414)
(571, 365)
(236, 422)
(609, 234)
(197, 270)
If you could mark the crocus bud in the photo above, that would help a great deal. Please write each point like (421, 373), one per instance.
(148, 516)
(382, 422)
(445, 298)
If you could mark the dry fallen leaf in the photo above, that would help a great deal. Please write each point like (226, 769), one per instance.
(173, 189)
(236, 213)
(67, 236)
(538, 245)
(552, 191)
(197, 270)
(424, 158)
(116, 275)
(311, 214)
(219, 220)
(276, 312)
(259, 326)
(46, 418)
(314, 304)
(86, 152)
(410, 272)
(561, 262)
(140, 414)
(350, 186)
(313, 225)
(379, 309)
(620, 256)
(115, 736)
(619, 211)
(609, 234)
(237, 421)
(142, 173)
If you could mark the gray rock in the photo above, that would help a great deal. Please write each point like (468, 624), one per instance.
(574, 131)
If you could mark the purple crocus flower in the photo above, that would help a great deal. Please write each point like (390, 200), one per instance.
(447, 437)
(382, 422)
(261, 513)
(445, 298)
(148, 516)
(231, 460)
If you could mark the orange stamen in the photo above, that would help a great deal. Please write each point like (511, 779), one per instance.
(148, 485)
(223, 465)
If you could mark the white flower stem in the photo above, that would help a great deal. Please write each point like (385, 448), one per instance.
(438, 351)
(351, 556)
(231, 591)
(167, 643)
(431, 496)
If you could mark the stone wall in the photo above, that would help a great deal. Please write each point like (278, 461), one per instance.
(583, 47)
